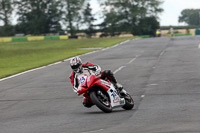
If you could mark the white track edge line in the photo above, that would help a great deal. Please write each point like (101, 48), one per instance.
(120, 68)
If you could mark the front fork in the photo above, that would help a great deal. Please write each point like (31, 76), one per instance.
(102, 96)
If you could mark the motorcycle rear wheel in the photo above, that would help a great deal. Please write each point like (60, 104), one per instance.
(105, 106)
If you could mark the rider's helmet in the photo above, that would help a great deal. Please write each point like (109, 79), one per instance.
(76, 64)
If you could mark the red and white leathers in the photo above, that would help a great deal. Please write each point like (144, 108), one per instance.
(96, 69)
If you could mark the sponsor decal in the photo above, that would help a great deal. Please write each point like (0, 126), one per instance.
(122, 102)
(88, 80)
(105, 83)
(116, 100)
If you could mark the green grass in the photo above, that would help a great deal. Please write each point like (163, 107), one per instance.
(17, 57)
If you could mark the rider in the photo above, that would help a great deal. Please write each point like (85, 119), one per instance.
(78, 68)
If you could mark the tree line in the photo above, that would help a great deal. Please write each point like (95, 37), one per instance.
(40, 17)
(190, 17)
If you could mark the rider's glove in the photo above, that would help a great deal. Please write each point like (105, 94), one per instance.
(75, 89)
(98, 70)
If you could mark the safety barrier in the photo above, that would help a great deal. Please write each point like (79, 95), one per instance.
(182, 34)
(36, 38)
(197, 31)
(5, 39)
(32, 38)
(64, 37)
(19, 39)
(51, 37)
(144, 36)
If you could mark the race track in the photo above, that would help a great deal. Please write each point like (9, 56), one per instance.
(162, 75)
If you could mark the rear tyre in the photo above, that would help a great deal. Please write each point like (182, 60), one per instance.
(102, 102)
(129, 103)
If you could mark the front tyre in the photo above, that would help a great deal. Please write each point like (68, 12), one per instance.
(129, 103)
(101, 101)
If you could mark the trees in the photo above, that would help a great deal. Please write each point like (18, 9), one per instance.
(72, 16)
(7, 30)
(129, 14)
(38, 16)
(5, 11)
(88, 20)
(110, 25)
(147, 26)
(190, 16)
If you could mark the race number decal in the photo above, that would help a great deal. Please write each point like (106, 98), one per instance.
(115, 97)
(82, 80)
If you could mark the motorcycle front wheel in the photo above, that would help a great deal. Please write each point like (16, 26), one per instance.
(101, 100)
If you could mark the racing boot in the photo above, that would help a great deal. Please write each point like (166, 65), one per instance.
(87, 103)
(110, 76)
(122, 92)
(119, 86)
(120, 89)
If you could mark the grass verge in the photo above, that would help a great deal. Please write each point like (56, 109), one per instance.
(16, 57)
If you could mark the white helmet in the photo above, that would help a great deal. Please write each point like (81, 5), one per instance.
(76, 64)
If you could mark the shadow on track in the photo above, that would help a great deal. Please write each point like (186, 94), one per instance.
(114, 111)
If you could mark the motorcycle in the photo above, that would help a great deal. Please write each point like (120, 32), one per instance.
(103, 93)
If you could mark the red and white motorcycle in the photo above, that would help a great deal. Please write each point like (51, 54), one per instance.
(103, 93)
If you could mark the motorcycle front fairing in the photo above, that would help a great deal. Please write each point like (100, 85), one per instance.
(115, 99)
(88, 81)
(94, 80)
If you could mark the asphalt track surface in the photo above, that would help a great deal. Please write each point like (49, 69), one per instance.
(162, 75)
